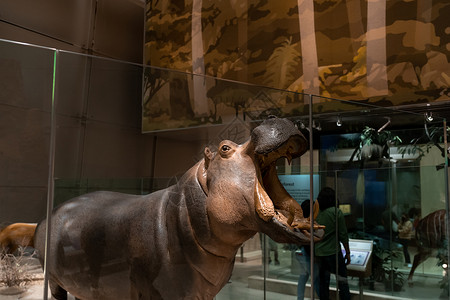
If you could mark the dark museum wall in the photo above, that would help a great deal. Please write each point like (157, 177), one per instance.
(111, 28)
(98, 133)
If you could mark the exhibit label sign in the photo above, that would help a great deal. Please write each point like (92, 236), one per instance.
(298, 186)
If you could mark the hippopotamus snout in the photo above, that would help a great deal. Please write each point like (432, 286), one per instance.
(273, 133)
(282, 216)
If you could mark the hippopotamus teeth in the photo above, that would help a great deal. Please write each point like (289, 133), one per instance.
(283, 233)
(289, 159)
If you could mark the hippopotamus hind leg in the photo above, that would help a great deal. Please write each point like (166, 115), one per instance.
(57, 292)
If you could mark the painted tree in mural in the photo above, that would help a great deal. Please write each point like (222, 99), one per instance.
(173, 100)
(284, 61)
(154, 80)
(355, 24)
(308, 43)
(198, 63)
(376, 49)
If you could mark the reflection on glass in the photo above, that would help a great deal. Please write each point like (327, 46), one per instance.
(398, 175)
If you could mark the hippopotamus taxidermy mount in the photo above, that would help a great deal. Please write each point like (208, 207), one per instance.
(180, 242)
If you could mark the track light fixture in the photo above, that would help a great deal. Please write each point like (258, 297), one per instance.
(299, 124)
(429, 116)
(302, 125)
(339, 121)
(318, 127)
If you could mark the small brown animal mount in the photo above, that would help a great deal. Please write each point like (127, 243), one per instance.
(17, 235)
(180, 242)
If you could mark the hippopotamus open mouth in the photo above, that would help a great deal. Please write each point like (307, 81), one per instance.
(283, 217)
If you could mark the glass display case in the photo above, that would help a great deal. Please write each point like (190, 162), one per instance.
(379, 191)
(75, 123)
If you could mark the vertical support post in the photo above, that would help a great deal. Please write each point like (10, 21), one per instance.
(361, 288)
(152, 173)
(265, 259)
(51, 171)
(311, 192)
(447, 204)
(390, 205)
(338, 244)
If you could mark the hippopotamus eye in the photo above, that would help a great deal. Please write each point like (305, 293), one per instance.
(225, 148)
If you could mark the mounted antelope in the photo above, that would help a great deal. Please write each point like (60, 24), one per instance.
(430, 236)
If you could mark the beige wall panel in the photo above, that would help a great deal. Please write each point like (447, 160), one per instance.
(24, 144)
(25, 76)
(175, 157)
(72, 83)
(23, 204)
(69, 147)
(115, 93)
(119, 30)
(15, 33)
(65, 20)
(113, 152)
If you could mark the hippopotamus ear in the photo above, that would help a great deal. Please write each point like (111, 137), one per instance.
(201, 171)
(208, 157)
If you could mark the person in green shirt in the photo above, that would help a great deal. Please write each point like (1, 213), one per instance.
(327, 249)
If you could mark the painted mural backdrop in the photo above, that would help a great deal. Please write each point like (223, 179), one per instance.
(384, 52)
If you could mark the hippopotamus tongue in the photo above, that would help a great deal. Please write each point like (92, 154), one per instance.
(282, 216)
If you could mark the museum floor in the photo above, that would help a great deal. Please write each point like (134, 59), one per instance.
(247, 282)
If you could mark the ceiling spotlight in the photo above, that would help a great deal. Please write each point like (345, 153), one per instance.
(339, 121)
(299, 124)
(429, 116)
(302, 125)
(318, 127)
